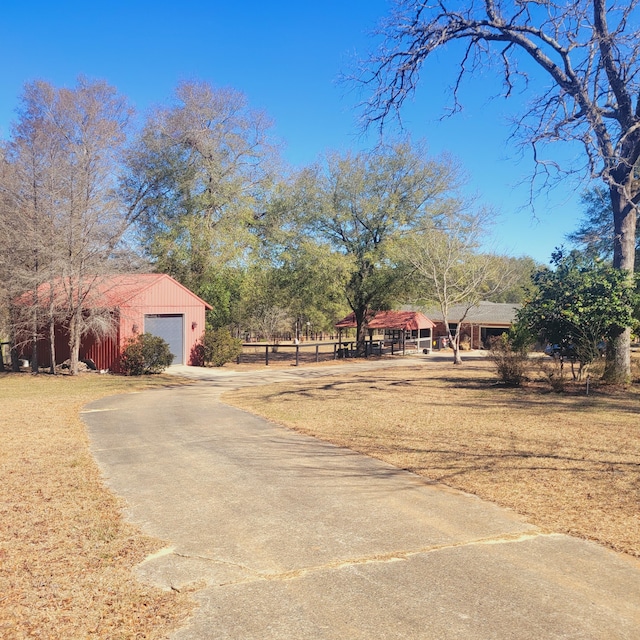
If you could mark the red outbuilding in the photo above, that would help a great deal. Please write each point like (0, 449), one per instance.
(139, 303)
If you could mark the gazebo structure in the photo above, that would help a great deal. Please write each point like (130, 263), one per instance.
(406, 330)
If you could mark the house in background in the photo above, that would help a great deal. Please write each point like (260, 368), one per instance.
(481, 322)
(140, 303)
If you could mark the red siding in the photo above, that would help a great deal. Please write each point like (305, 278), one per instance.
(61, 343)
(105, 352)
(164, 295)
(136, 296)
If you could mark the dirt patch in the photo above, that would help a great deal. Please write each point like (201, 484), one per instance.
(568, 462)
(66, 554)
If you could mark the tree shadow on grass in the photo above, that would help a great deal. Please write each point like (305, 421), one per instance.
(468, 462)
(487, 392)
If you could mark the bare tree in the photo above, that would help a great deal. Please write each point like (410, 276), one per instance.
(9, 250)
(92, 119)
(450, 271)
(270, 321)
(589, 52)
(61, 182)
(30, 191)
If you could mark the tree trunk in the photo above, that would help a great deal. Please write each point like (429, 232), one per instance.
(74, 346)
(624, 226)
(618, 365)
(52, 345)
(361, 331)
(34, 344)
(15, 361)
(454, 341)
(13, 350)
(34, 353)
(52, 328)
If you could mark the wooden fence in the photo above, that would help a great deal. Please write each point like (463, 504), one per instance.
(312, 352)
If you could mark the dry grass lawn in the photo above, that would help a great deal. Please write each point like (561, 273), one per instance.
(65, 552)
(567, 462)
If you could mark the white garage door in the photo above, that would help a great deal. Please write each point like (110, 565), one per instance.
(171, 329)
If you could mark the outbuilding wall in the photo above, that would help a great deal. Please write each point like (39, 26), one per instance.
(150, 294)
(103, 352)
(166, 296)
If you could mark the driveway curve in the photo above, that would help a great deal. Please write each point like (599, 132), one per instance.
(293, 538)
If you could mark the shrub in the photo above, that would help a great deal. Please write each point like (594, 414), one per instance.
(553, 374)
(145, 354)
(218, 347)
(511, 362)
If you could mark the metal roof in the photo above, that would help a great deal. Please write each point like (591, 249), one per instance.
(407, 320)
(107, 290)
(501, 313)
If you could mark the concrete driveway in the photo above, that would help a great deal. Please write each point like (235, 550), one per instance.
(293, 538)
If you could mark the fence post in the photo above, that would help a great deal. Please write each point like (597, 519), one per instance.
(266, 355)
(297, 353)
(317, 353)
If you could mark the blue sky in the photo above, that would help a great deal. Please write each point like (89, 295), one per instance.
(286, 57)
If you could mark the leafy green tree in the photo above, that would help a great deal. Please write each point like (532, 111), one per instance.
(223, 289)
(197, 181)
(360, 205)
(313, 278)
(264, 305)
(578, 305)
(517, 287)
